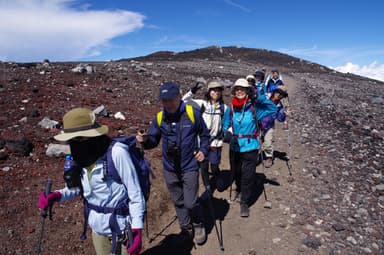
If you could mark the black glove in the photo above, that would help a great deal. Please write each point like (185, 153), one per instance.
(227, 137)
(196, 87)
(252, 94)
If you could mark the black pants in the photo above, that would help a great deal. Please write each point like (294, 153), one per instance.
(243, 169)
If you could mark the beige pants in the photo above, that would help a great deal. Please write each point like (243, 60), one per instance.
(267, 144)
(103, 245)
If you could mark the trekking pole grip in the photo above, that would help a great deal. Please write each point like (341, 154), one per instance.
(48, 188)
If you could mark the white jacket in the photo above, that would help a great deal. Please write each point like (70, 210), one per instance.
(108, 193)
(212, 116)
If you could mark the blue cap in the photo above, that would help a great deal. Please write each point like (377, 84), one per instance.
(169, 90)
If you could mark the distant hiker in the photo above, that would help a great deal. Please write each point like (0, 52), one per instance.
(267, 120)
(212, 109)
(242, 123)
(180, 126)
(273, 80)
(251, 80)
(113, 210)
(259, 82)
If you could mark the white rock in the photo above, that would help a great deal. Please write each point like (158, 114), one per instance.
(119, 116)
(351, 240)
(6, 168)
(57, 150)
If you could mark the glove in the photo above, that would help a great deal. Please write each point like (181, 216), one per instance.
(196, 87)
(45, 202)
(281, 115)
(227, 137)
(252, 94)
(136, 244)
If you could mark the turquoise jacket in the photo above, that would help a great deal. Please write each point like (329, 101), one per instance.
(244, 123)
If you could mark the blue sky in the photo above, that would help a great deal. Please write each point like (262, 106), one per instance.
(345, 35)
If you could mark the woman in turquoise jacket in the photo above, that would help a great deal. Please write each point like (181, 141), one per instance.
(246, 109)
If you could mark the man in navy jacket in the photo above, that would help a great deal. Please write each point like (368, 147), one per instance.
(185, 143)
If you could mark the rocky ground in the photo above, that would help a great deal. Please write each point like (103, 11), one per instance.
(332, 204)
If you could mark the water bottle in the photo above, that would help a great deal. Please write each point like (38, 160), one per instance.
(67, 173)
(68, 163)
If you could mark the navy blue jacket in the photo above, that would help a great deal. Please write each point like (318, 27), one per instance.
(180, 139)
(272, 84)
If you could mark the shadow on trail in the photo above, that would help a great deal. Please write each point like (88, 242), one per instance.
(281, 155)
(171, 244)
(175, 244)
(220, 210)
(260, 180)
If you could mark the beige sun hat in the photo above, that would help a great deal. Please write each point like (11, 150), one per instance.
(215, 84)
(80, 122)
(241, 83)
(250, 77)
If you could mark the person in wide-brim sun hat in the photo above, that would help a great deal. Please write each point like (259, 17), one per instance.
(93, 157)
(80, 122)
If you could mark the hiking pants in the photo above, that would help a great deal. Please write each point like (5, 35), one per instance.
(214, 155)
(103, 245)
(267, 144)
(212, 162)
(184, 189)
(243, 168)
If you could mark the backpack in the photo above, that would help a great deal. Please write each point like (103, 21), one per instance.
(188, 109)
(142, 165)
(143, 171)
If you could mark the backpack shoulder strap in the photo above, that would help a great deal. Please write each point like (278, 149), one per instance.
(109, 167)
(222, 109)
(189, 110)
(202, 109)
(159, 117)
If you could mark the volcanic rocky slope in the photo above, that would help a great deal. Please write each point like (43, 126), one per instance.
(337, 125)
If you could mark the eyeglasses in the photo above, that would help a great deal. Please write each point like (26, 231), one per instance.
(238, 88)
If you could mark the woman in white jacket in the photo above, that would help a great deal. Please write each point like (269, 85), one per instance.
(212, 108)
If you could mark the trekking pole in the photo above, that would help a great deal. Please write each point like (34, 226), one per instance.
(209, 192)
(205, 177)
(267, 203)
(130, 236)
(287, 127)
(142, 131)
(219, 236)
(44, 213)
(289, 165)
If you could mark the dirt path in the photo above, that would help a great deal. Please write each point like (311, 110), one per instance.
(266, 231)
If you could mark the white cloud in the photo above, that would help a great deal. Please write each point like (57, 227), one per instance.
(314, 51)
(373, 70)
(34, 30)
(244, 9)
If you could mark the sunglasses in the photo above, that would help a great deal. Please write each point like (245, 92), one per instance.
(80, 139)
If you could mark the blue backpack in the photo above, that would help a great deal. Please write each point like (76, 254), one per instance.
(141, 164)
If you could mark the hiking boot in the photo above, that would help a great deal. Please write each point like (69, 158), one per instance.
(199, 231)
(186, 233)
(268, 162)
(244, 210)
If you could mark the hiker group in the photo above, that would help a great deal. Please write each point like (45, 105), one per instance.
(108, 173)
